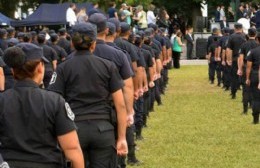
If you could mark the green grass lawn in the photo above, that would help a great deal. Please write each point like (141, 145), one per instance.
(199, 126)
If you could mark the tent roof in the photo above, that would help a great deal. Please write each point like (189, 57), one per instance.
(49, 14)
(4, 20)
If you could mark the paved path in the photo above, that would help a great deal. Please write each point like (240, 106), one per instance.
(194, 62)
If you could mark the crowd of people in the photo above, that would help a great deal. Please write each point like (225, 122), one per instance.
(248, 11)
(89, 88)
(234, 58)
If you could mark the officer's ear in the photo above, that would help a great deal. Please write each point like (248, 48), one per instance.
(92, 47)
(107, 31)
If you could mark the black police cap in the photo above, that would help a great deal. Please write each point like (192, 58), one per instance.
(252, 32)
(116, 22)
(87, 29)
(154, 26)
(32, 52)
(62, 30)
(111, 27)
(125, 27)
(20, 34)
(238, 25)
(18, 55)
(99, 20)
(3, 32)
(10, 29)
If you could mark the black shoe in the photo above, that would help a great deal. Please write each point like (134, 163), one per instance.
(219, 85)
(139, 137)
(212, 82)
(233, 96)
(134, 162)
(160, 104)
(256, 120)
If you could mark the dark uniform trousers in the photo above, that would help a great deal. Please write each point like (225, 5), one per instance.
(98, 141)
(255, 95)
(139, 111)
(219, 70)
(157, 91)
(146, 106)
(229, 76)
(212, 69)
(47, 78)
(246, 92)
(234, 78)
(19, 164)
(131, 147)
(152, 98)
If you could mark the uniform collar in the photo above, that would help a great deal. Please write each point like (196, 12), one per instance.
(26, 83)
(100, 41)
(111, 44)
(82, 52)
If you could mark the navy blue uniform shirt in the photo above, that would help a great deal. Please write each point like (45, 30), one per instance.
(87, 81)
(118, 57)
(30, 121)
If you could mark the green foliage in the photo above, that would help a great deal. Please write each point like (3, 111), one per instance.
(198, 126)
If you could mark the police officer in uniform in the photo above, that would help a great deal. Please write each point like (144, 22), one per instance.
(90, 85)
(51, 55)
(63, 42)
(234, 44)
(245, 48)
(33, 121)
(252, 79)
(2, 75)
(61, 53)
(222, 53)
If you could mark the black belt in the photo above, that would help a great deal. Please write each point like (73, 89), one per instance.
(92, 117)
(22, 164)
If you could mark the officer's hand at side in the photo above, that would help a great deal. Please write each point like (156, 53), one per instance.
(146, 88)
(229, 63)
(151, 84)
(259, 86)
(130, 119)
(136, 95)
(248, 82)
(121, 147)
(239, 72)
(223, 63)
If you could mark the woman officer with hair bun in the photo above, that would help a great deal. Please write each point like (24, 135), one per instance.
(34, 121)
(92, 85)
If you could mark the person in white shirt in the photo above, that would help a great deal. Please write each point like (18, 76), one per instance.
(150, 15)
(71, 17)
(222, 12)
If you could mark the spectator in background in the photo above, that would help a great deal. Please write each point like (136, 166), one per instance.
(247, 11)
(224, 23)
(177, 50)
(163, 19)
(127, 13)
(230, 14)
(190, 42)
(240, 12)
(94, 9)
(70, 15)
(112, 13)
(150, 14)
(217, 14)
(141, 18)
(222, 13)
(82, 16)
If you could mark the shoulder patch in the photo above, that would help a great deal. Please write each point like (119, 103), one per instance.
(70, 114)
(53, 78)
(249, 52)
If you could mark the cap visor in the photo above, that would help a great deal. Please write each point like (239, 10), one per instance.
(45, 59)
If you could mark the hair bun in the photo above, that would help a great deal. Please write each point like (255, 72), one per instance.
(14, 57)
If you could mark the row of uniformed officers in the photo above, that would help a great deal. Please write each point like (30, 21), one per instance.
(96, 102)
(235, 58)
